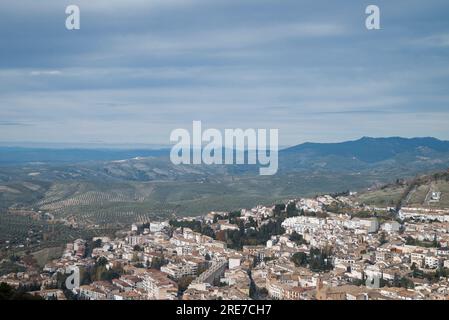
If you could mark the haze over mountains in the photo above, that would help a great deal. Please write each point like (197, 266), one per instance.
(365, 153)
(136, 182)
(372, 150)
(367, 149)
(419, 153)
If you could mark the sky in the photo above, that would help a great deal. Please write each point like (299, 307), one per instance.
(136, 70)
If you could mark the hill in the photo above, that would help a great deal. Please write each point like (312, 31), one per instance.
(123, 190)
(371, 150)
(393, 154)
(425, 191)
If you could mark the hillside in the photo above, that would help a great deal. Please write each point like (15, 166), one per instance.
(425, 191)
(95, 196)
(371, 150)
(121, 190)
(389, 155)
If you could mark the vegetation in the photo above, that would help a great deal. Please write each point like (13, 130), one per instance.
(383, 238)
(318, 260)
(233, 216)
(297, 238)
(100, 272)
(184, 283)
(10, 267)
(427, 244)
(403, 282)
(236, 239)
(157, 263)
(291, 210)
(337, 207)
(432, 277)
(300, 259)
(195, 225)
(9, 293)
(412, 192)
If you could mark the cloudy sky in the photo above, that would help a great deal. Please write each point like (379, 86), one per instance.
(139, 69)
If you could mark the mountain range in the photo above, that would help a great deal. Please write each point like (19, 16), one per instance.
(365, 150)
(369, 153)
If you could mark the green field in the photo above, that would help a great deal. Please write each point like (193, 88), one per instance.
(89, 202)
(20, 234)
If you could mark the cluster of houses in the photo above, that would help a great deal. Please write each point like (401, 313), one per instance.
(400, 257)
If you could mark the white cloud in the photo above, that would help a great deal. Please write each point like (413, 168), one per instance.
(45, 73)
(138, 67)
(219, 39)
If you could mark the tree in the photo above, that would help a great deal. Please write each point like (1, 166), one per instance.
(319, 260)
(297, 238)
(233, 216)
(299, 259)
(435, 242)
(291, 210)
(108, 275)
(262, 292)
(184, 283)
(208, 231)
(14, 258)
(157, 262)
(402, 282)
(195, 225)
(235, 239)
(383, 238)
(97, 243)
(9, 293)
(278, 209)
(251, 223)
(102, 261)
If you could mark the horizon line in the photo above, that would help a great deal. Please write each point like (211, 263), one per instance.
(159, 146)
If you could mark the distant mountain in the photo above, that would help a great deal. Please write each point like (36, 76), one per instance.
(391, 157)
(20, 155)
(368, 153)
(132, 183)
(373, 150)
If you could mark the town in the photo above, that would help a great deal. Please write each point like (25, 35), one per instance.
(323, 248)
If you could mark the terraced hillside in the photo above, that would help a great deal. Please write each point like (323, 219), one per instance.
(104, 188)
(97, 202)
(21, 233)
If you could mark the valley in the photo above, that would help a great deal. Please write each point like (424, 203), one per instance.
(99, 192)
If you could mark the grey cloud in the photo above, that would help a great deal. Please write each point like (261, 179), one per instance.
(138, 69)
